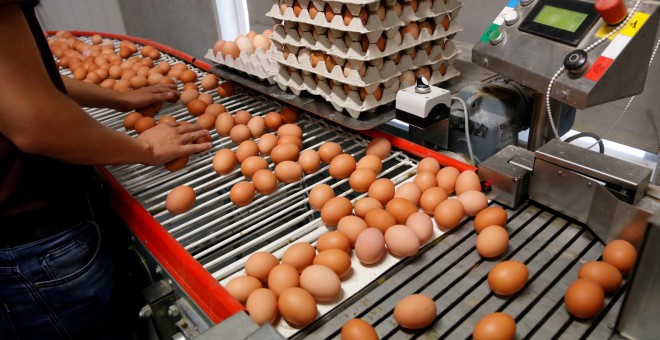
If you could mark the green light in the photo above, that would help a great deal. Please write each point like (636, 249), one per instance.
(560, 18)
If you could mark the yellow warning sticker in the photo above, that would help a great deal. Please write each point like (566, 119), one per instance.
(635, 23)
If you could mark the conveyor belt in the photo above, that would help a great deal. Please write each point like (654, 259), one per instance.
(221, 236)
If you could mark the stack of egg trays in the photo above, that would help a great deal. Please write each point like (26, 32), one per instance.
(341, 87)
(260, 64)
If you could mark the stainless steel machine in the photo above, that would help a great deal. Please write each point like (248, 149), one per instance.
(188, 257)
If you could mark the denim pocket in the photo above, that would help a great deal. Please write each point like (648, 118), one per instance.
(72, 259)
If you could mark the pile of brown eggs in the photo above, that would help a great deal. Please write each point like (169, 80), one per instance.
(248, 43)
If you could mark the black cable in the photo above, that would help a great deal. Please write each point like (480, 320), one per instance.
(601, 146)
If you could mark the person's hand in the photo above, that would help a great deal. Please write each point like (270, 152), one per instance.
(168, 141)
(146, 96)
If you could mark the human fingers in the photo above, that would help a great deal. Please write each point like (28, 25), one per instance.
(196, 148)
(183, 128)
(190, 137)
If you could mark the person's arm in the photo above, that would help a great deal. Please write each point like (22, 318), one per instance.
(91, 95)
(39, 119)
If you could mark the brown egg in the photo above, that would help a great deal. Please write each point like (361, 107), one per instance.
(401, 241)
(215, 109)
(209, 82)
(335, 259)
(206, 121)
(363, 205)
(131, 119)
(284, 152)
(242, 117)
(495, 326)
(206, 98)
(508, 277)
(422, 225)
(251, 164)
(361, 179)
(180, 199)
(242, 193)
(351, 226)
(370, 246)
(291, 140)
(445, 22)
(621, 254)
(257, 126)
(143, 124)
(246, 149)
(328, 151)
(273, 121)
(584, 298)
(196, 107)
(401, 209)
(188, 95)
(288, 171)
(300, 255)
(603, 273)
(297, 307)
(262, 306)
(358, 329)
(259, 265)
(190, 86)
(473, 202)
(329, 13)
(224, 123)
(490, 216)
(239, 133)
(138, 82)
(430, 199)
(466, 181)
(380, 147)
(281, 277)
(409, 191)
(321, 282)
(166, 119)
(342, 166)
(333, 240)
(429, 164)
(382, 189)
(313, 11)
(492, 241)
(372, 162)
(226, 89)
(412, 29)
(188, 76)
(425, 180)
(320, 195)
(264, 181)
(448, 214)
(289, 115)
(224, 161)
(240, 287)
(310, 161)
(177, 164)
(266, 143)
(290, 129)
(380, 219)
(229, 48)
(415, 311)
(334, 209)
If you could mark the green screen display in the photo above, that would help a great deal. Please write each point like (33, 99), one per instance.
(560, 18)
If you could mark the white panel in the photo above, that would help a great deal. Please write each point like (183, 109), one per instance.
(97, 16)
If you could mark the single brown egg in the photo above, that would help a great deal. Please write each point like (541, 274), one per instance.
(351, 226)
(246, 149)
(329, 13)
(333, 240)
(230, 49)
(409, 191)
(401, 209)
(291, 140)
(266, 143)
(336, 259)
(209, 82)
(425, 180)
(334, 209)
(603, 273)
(466, 181)
(224, 161)
(382, 189)
(257, 126)
(310, 161)
(320, 195)
(584, 298)
(215, 109)
(447, 177)
(259, 265)
(288, 171)
(242, 117)
(619, 253)
(240, 287)
(401, 241)
(342, 166)
(290, 129)
(380, 147)
(177, 164)
(363, 205)
(281, 277)
(242, 193)
(492, 241)
(370, 246)
(180, 199)
(448, 214)
(321, 282)
(380, 219)
(297, 307)
(473, 202)
(412, 29)
(495, 326)
(239, 133)
(261, 305)
(358, 329)
(415, 311)
(422, 225)
(251, 164)
(188, 76)
(206, 121)
(508, 277)
(289, 115)
(196, 107)
(372, 162)
(300, 255)
(328, 151)
(226, 89)
(361, 179)
(284, 152)
(490, 216)
(224, 123)
(264, 181)
(429, 164)
(143, 124)
(273, 121)
(431, 198)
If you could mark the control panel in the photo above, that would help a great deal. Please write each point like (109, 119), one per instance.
(530, 40)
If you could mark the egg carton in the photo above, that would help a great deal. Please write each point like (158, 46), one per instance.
(337, 47)
(426, 9)
(301, 80)
(259, 64)
(377, 71)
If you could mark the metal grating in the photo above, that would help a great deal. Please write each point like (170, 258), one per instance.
(221, 236)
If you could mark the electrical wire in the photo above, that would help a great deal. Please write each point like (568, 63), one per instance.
(599, 140)
(467, 129)
(587, 49)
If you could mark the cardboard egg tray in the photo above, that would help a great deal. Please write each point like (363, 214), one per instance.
(303, 80)
(260, 63)
(377, 71)
(374, 25)
(337, 46)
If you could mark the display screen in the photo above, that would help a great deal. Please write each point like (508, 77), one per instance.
(560, 18)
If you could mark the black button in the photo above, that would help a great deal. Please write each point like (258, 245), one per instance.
(577, 61)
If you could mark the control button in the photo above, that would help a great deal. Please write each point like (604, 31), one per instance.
(496, 36)
(577, 61)
(613, 12)
(422, 85)
(511, 17)
(526, 2)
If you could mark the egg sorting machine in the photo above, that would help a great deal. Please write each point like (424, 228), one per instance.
(187, 257)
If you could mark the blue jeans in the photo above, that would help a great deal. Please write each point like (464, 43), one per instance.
(59, 287)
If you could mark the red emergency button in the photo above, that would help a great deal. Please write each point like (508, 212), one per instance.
(612, 11)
